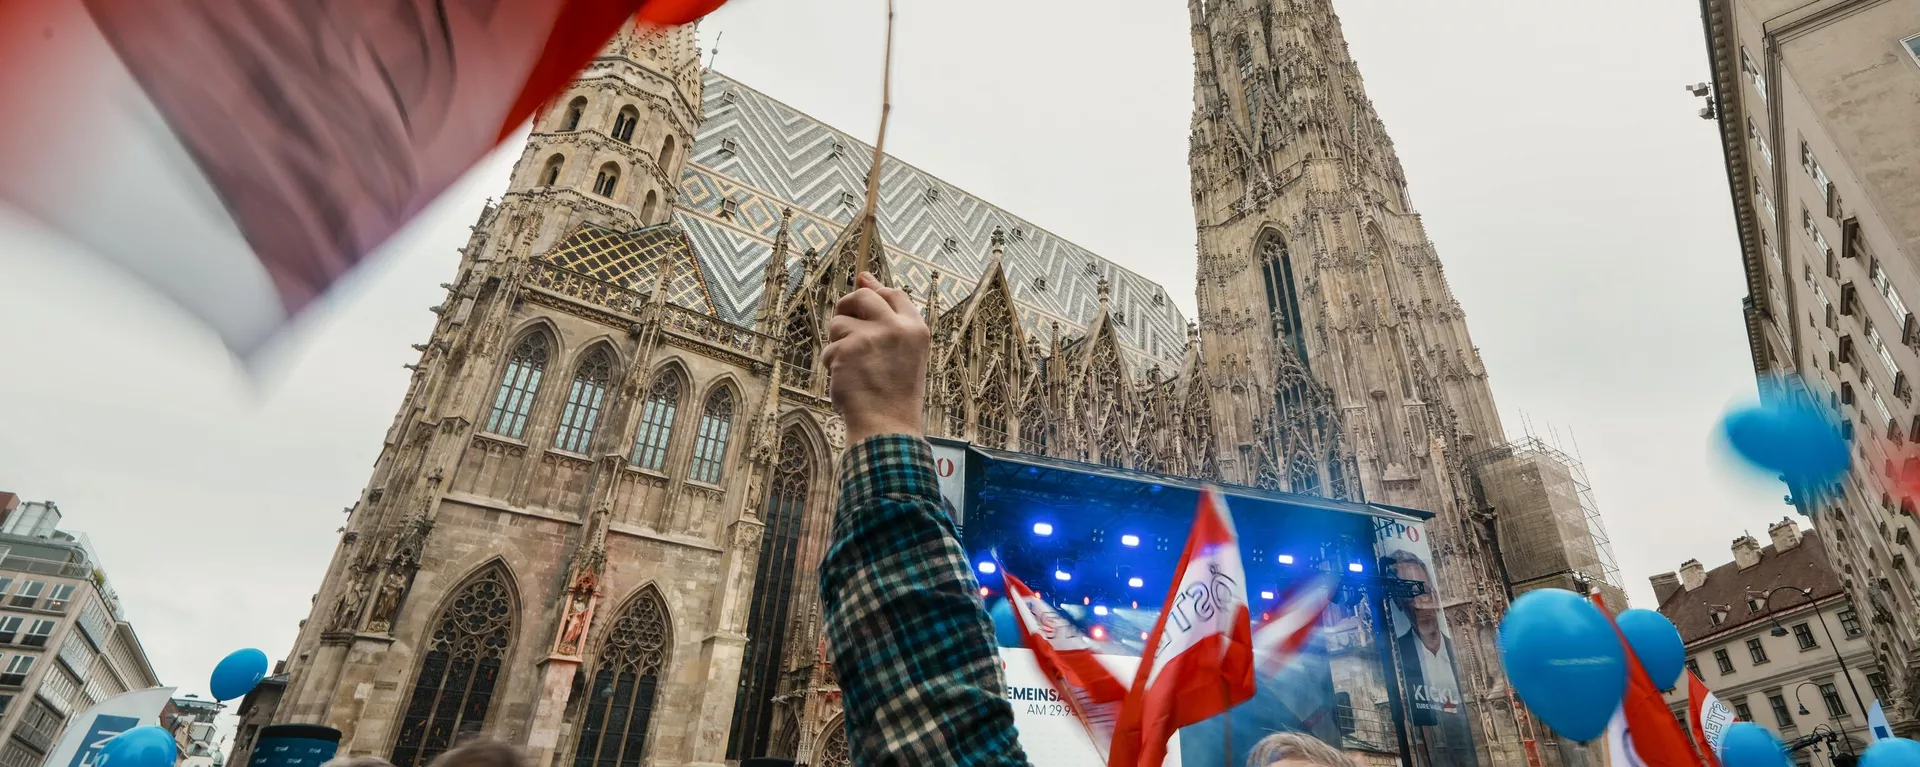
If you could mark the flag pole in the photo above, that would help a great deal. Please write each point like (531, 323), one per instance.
(867, 233)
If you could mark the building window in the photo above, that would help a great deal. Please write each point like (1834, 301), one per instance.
(1716, 617)
(58, 598)
(16, 671)
(669, 152)
(1781, 714)
(1740, 709)
(518, 386)
(1726, 663)
(39, 725)
(29, 594)
(1753, 72)
(1760, 142)
(582, 412)
(773, 589)
(1756, 651)
(17, 754)
(656, 423)
(1766, 202)
(650, 207)
(620, 701)
(1804, 635)
(1878, 681)
(462, 663)
(623, 125)
(575, 110)
(729, 208)
(607, 181)
(37, 633)
(1831, 694)
(1693, 666)
(710, 445)
(10, 629)
(551, 174)
(1880, 347)
(1850, 622)
(1812, 166)
(1283, 299)
(849, 199)
(1885, 286)
(1912, 44)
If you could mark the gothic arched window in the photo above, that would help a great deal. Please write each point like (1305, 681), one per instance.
(710, 445)
(607, 181)
(461, 665)
(666, 153)
(624, 687)
(648, 208)
(1283, 300)
(623, 124)
(656, 423)
(518, 386)
(583, 403)
(575, 109)
(796, 348)
(550, 175)
(833, 751)
(773, 590)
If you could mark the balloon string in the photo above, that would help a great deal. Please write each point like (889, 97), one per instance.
(868, 222)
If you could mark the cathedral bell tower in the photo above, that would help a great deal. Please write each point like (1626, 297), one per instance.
(1339, 359)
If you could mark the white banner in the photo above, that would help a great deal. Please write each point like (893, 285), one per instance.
(950, 465)
(80, 743)
(1048, 731)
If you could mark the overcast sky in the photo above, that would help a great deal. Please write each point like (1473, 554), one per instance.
(1578, 202)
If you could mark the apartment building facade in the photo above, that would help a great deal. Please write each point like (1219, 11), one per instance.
(1817, 104)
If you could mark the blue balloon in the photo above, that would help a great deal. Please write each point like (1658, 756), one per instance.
(238, 673)
(1892, 752)
(1746, 744)
(1791, 436)
(1657, 643)
(143, 746)
(1564, 660)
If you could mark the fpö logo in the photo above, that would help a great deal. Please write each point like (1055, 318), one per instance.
(944, 467)
(1387, 529)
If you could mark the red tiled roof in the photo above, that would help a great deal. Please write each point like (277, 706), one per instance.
(1727, 588)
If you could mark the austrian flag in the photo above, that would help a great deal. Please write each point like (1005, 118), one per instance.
(1199, 657)
(242, 155)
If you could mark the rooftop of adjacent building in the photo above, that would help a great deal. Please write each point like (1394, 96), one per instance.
(1704, 603)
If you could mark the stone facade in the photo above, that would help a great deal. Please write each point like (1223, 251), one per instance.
(1814, 102)
(595, 524)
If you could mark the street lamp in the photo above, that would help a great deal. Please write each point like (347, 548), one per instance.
(1780, 631)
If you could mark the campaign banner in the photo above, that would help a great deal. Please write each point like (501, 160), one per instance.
(80, 742)
(1423, 645)
(1049, 733)
(950, 466)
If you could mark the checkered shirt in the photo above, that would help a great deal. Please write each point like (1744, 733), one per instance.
(912, 645)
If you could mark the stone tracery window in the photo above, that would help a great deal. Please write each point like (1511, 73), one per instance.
(623, 124)
(607, 181)
(620, 700)
(518, 385)
(462, 663)
(656, 423)
(551, 174)
(796, 350)
(584, 399)
(773, 592)
(1283, 299)
(833, 750)
(710, 445)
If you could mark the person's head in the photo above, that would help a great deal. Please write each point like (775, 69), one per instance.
(481, 752)
(1294, 749)
(357, 761)
(1408, 566)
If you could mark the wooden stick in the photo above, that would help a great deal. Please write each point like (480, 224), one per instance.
(868, 220)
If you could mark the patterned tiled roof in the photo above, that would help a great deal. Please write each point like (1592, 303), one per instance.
(754, 156)
(633, 260)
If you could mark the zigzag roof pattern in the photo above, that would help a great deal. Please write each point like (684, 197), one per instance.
(754, 156)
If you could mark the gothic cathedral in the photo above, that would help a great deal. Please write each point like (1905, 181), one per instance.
(594, 522)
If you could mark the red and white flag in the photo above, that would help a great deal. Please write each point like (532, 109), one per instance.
(1707, 717)
(242, 155)
(1646, 732)
(1292, 623)
(1199, 657)
(1067, 657)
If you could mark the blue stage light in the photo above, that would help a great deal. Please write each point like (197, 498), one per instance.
(1062, 575)
(1099, 609)
(1042, 528)
(1286, 559)
(988, 568)
(1356, 567)
(1129, 540)
(1266, 595)
(1136, 582)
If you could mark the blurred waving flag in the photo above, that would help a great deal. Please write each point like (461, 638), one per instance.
(242, 155)
(1068, 658)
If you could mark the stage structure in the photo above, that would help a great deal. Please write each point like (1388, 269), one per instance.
(1101, 543)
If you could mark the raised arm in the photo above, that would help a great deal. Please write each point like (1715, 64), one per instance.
(912, 646)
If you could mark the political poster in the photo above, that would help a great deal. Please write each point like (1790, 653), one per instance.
(1423, 647)
(80, 742)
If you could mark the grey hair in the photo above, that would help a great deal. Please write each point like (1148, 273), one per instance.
(481, 752)
(357, 761)
(1282, 746)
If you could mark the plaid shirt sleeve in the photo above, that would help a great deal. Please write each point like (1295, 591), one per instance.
(912, 646)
